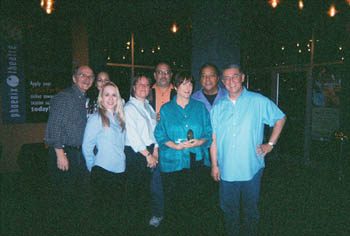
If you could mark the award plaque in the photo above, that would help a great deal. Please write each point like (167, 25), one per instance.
(189, 134)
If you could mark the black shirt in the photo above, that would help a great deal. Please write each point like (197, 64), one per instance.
(210, 98)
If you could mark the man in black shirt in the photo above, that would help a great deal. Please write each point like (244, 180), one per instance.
(66, 164)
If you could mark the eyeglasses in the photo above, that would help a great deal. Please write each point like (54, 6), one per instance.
(92, 77)
(161, 72)
(233, 77)
(143, 85)
(103, 80)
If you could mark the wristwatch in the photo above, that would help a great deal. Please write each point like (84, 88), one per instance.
(271, 144)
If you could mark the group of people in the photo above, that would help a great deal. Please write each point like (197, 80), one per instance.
(160, 143)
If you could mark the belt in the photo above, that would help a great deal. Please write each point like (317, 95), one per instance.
(73, 147)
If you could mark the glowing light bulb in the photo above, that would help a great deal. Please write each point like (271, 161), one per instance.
(301, 5)
(332, 11)
(274, 3)
(174, 28)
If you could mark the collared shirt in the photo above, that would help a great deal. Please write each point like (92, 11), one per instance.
(239, 129)
(140, 121)
(67, 119)
(174, 124)
(161, 98)
(109, 142)
(199, 96)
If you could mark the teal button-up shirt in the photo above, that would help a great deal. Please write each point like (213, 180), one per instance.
(239, 129)
(174, 124)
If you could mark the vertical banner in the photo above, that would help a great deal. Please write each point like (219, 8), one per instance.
(12, 83)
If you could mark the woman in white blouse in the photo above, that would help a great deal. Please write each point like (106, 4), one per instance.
(141, 148)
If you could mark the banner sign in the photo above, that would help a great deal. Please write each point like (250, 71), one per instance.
(41, 86)
(13, 84)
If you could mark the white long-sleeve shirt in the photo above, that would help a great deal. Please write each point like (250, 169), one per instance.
(140, 120)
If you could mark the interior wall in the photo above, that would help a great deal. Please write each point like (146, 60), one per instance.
(13, 136)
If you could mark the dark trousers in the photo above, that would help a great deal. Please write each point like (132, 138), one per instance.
(108, 211)
(182, 195)
(70, 194)
(232, 194)
(138, 184)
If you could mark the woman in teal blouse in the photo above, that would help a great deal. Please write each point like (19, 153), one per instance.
(184, 136)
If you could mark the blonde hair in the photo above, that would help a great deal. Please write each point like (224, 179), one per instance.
(118, 108)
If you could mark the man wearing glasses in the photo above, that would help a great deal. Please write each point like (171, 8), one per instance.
(64, 135)
(162, 92)
(238, 151)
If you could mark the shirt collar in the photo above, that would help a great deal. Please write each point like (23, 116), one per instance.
(186, 107)
(241, 96)
(156, 86)
(77, 91)
(137, 102)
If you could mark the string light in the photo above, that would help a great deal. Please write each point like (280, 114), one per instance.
(274, 3)
(47, 5)
(301, 5)
(332, 11)
(174, 28)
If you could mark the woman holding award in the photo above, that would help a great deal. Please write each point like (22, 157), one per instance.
(184, 136)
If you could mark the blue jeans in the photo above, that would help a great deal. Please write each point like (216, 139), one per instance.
(157, 193)
(231, 195)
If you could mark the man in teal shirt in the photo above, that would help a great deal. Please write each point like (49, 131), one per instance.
(237, 151)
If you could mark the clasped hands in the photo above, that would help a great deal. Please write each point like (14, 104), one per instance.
(152, 160)
(189, 144)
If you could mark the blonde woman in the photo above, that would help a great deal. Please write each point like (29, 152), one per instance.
(106, 130)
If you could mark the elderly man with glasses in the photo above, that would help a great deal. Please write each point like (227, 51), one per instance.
(237, 151)
(66, 164)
